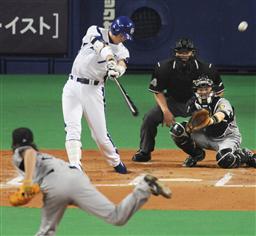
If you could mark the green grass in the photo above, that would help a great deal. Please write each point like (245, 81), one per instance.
(35, 101)
(25, 221)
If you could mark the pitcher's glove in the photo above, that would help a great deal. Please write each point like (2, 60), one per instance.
(24, 194)
(199, 120)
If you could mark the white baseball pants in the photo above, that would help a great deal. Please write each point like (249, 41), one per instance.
(87, 100)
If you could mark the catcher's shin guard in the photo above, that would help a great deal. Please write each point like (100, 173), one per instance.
(226, 158)
(183, 139)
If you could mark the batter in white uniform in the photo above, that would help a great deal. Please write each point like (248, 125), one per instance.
(102, 55)
(63, 185)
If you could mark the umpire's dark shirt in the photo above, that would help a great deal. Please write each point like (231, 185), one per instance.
(171, 78)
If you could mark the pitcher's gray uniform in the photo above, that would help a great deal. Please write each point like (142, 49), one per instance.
(63, 185)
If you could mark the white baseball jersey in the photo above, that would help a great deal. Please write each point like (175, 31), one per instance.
(88, 63)
(86, 100)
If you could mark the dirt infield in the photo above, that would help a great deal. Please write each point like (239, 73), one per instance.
(205, 187)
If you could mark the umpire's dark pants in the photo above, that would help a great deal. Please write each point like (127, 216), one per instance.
(153, 118)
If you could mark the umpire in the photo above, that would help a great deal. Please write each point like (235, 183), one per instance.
(171, 83)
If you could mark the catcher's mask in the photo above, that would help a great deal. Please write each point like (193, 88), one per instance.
(22, 137)
(203, 89)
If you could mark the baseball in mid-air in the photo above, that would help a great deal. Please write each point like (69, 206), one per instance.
(242, 26)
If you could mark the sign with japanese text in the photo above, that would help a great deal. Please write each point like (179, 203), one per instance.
(33, 27)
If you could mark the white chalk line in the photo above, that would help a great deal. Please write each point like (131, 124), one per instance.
(135, 182)
(223, 180)
(180, 180)
(239, 186)
(16, 182)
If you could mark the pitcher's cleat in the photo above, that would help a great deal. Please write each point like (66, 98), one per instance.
(156, 187)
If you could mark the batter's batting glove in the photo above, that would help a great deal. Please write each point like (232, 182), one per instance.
(111, 64)
(113, 74)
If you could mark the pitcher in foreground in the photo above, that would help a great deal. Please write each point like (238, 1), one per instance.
(63, 185)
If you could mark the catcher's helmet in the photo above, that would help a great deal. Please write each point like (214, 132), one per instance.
(203, 81)
(123, 25)
(22, 137)
(184, 45)
(204, 97)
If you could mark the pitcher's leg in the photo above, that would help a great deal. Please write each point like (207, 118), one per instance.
(91, 200)
(51, 215)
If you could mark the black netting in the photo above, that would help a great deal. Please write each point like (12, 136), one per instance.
(147, 23)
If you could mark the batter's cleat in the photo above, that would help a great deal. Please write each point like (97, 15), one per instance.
(141, 156)
(121, 168)
(156, 187)
(192, 160)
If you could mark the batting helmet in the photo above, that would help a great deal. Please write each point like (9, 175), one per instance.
(123, 25)
(184, 45)
(22, 137)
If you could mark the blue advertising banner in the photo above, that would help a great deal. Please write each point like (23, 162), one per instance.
(212, 25)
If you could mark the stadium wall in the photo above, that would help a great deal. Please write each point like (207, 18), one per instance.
(212, 25)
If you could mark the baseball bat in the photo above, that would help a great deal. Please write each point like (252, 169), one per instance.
(127, 99)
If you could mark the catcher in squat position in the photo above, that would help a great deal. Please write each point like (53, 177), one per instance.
(62, 185)
(212, 126)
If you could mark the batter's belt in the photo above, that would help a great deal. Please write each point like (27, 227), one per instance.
(84, 80)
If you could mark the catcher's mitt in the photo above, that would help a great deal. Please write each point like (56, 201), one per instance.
(24, 194)
(199, 120)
